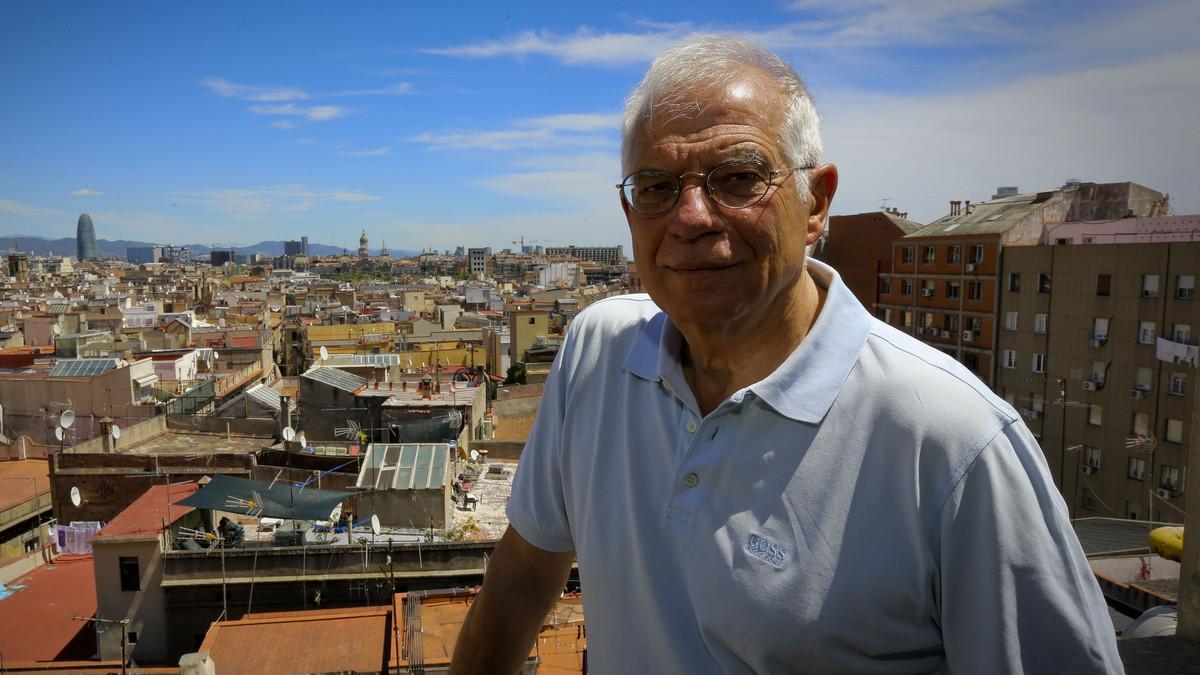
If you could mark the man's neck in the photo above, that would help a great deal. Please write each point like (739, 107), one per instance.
(718, 360)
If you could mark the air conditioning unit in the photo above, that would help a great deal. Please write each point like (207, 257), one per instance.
(970, 267)
(1147, 293)
(968, 335)
(927, 292)
(1164, 493)
(1089, 385)
(1139, 393)
(1098, 341)
(945, 334)
(1088, 469)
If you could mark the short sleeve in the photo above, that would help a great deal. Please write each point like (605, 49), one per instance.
(537, 508)
(1015, 590)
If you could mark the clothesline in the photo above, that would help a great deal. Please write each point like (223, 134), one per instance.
(1176, 352)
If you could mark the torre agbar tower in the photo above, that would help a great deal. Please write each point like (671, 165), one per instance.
(85, 238)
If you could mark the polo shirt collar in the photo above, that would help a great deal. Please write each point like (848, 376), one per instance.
(806, 384)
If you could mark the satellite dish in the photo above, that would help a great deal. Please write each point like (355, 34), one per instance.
(76, 499)
(66, 419)
(375, 525)
(116, 432)
(288, 434)
(56, 329)
(216, 356)
(336, 513)
(302, 440)
(324, 353)
(58, 433)
(474, 455)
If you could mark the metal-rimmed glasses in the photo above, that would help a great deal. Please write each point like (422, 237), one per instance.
(734, 184)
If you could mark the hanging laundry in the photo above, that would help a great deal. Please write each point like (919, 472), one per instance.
(1169, 351)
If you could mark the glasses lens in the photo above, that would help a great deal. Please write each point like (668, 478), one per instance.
(651, 192)
(739, 184)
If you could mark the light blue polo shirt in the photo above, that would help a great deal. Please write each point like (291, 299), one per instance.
(870, 507)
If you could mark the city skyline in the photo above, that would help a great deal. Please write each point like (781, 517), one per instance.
(239, 124)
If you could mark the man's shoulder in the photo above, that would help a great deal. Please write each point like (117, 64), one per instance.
(921, 375)
(617, 314)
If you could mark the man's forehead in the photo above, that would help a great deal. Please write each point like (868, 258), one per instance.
(747, 97)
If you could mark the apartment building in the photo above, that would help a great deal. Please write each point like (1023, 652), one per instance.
(1096, 347)
(859, 247)
(945, 282)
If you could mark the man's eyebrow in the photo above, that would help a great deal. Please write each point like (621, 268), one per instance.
(748, 156)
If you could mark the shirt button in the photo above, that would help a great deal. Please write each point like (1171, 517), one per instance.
(692, 426)
(691, 480)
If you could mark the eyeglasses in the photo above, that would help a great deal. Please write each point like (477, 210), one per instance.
(735, 184)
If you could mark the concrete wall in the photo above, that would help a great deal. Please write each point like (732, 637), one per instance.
(238, 426)
(131, 435)
(501, 449)
(523, 406)
(406, 508)
(145, 608)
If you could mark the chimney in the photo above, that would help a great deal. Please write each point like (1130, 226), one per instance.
(954, 207)
(967, 209)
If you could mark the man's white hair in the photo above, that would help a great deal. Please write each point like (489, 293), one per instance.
(715, 59)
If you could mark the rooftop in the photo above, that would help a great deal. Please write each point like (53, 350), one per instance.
(148, 514)
(36, 621)
(173, 443)
(22, 480)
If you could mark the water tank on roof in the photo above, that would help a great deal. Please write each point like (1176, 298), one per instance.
(1005, 191)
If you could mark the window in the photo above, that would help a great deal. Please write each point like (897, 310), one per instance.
(1091, 456)
(1099, 368)
(954, 254)
(1043, 282)
(906, 287)
(929, 254)
(1087, 500)
(974, 290)
(1177, 384)
(976, 255)
(927, 320)
(1146, 332)
(1039, 363)
(127, 568)
(927, 288)
(1010, 321)
(885, 286)
(886, 315)
(971, 361)
(1183, 332)
(1040, 322)
(906, 255)
(1142, 379)
(1095, 415)
(1014, 281)
(1149, 285)
(1103, 284)
(952, 288)
(1010, 358)
(532, 320)
(1137, 468)
(1170, 477)
(976, 325)
(1175, 431)
(1185, 286)
(1100, 329)
(950, 323)
(1039, 404)
(1141, 424)
(907, 319)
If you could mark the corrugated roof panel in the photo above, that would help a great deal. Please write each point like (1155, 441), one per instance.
(437, 472)
(338, 379)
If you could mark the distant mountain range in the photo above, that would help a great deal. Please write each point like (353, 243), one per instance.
(116, 248)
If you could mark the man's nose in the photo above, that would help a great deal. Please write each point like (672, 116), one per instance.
(695, 215)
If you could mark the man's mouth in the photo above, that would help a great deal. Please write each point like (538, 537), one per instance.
(701, 267)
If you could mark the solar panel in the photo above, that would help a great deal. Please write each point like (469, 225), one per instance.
(339, 379)
(82, 367)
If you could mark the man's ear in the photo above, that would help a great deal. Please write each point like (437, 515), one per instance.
(822, 185)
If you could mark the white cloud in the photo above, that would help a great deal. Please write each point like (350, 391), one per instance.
(85, 192)
(266, 202)
(583, 47)
(249, 92)
(10, 207)
(304, 141)
(1128, 122)
(573, 122)
(283, 124)
(374, 152)
(316, 113)
(396, 89)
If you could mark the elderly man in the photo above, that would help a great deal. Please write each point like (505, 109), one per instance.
(753, 473)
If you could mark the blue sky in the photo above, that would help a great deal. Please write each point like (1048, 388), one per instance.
(470, 123)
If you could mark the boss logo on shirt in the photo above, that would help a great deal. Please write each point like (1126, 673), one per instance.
(761, 548)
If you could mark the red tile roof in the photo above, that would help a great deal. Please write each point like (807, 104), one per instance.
(36, 622)
(334, 640)
(146, 516)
